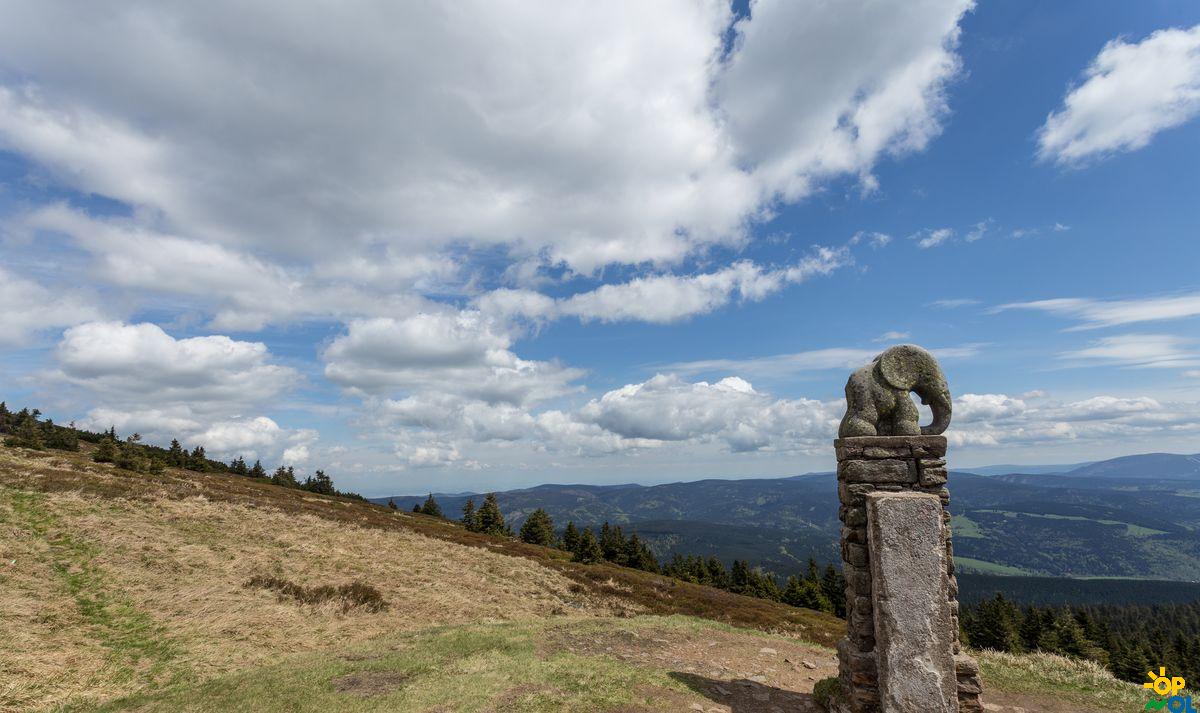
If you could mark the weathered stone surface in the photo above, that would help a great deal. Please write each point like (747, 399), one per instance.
(932, 446)
(914, 634)
(891, 470)
(852, 495)
(854, 554)
(965, 666)
(878, 452)
(933, 477)
(855, 517)
(877, 395)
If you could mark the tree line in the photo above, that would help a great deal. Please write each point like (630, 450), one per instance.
(1128, 640)
(26, 429)
(817, 588)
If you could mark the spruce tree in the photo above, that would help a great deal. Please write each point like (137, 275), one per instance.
(740, 578)
(469, 519)
(198, 460)
(570, 538)
(26, 435)
(612, 544)
(238, 466)
(176, 456)
(319, 483)
(392, 504)
(1030, 630)
(538, 529)
(833, 586)
(814, 574)
(431, 507)
(489, 518)
(589, 551)
(285, 477)
(715, 573)
(106, 451)
(639, 556)
(257, 470)
(993, 625)
(806, 593)
(417, 508)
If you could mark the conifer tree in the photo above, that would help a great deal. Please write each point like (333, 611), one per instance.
(489, 519)
(806, 593)
(26, 435)
(417, 508)
(814, 574)
(392, 504)
(198, 460)
(993, 625)
(538, 529)
(639, 556)
(833, 586)
(285, 476)
(716, 574)
(612, 544)
(176, 456)
(469, 518)
(431, 507)
(570, 538)
(238, 466)
(257, 470)
(106, 451)
(589, 551)
(740, 578)
(319, 483)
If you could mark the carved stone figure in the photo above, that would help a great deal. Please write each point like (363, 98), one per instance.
(877, 401)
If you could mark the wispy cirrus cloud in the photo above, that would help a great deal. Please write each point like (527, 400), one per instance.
(1096, 313)
(1138, 351)
(783, 365)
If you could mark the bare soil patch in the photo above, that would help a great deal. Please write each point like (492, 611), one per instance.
(369, 683)
(738, 673)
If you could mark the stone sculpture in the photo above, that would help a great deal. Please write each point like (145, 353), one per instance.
(877, 401)
(901, 652)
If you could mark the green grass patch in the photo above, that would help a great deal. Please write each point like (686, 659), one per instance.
(970, 564)
(1068, 681)
(465, 668)
(1130, 529)
(137, 646)
(963, 526)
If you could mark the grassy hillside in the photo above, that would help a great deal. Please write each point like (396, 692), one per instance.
(124, 591)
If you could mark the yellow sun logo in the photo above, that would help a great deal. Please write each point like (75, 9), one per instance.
(1163, 685)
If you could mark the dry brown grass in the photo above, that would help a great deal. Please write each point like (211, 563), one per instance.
(172, 552)
(183, 564)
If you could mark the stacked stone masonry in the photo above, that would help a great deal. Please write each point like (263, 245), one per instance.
(870, 464)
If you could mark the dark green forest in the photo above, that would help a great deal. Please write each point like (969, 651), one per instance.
(1128, 640)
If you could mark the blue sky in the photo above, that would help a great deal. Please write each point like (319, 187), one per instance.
(488, 246)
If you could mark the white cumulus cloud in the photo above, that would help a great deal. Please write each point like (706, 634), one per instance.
(1130, 93)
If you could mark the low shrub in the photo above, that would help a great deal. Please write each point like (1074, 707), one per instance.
(826, 691)
(355, 595)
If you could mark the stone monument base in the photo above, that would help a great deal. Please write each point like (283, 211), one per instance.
(901, 651)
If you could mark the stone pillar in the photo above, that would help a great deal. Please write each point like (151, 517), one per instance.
(874, 466)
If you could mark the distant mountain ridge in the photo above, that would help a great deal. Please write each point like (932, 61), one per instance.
(1161, 466)
(1116, 518)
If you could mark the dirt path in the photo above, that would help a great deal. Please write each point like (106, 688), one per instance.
(743, 673)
